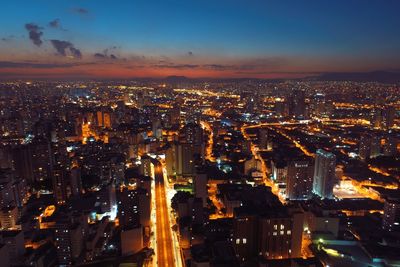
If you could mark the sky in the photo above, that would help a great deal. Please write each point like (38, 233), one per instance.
(102, 39)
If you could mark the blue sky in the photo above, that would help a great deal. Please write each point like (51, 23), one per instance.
(298, 36)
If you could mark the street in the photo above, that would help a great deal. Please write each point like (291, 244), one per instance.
(165, 253)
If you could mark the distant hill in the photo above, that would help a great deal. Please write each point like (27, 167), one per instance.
(375, 76)
(177, 79)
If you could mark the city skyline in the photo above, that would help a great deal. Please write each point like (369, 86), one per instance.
(200, 133)
(227, 39)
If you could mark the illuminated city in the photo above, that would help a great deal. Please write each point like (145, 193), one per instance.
(217, 156)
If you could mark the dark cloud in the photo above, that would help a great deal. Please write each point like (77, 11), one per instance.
(81, 11)
(7, 38)
(247, 65)
(11, 64)
(177, 66)
(35, 33)
(75, 52)
(55, 24)
(218, 67)
(106, 53)
(190, 53)
(99, 55)
(252, 64)
(63, 47)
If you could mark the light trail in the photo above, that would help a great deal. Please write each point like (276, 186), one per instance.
(264, 170)
(209, 156)
(166, 255)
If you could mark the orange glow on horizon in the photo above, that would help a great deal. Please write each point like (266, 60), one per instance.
(104, 71)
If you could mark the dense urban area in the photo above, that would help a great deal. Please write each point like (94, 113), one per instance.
(183, 172)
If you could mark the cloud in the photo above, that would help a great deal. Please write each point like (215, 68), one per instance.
(99, 55)
(272, 63)
(7, 38)
(81, 11)
(11, 64)
(218, 67)
(63, 47)
(55, 24)
(35, 33)
(106, 53)
(75, 52)
(105, 56)
(177, 66)
(190, 54)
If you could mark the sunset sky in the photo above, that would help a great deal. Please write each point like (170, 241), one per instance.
(216, 38)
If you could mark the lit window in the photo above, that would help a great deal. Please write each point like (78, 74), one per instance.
(282, 232)
(275, 233)
(244, 240)
(282, 227)
(237, 241)
(275, 227)
(288, 232)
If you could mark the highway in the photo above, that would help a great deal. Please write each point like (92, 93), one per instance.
(165, 252)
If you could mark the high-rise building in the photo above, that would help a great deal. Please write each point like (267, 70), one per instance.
(375, 146)
(9, 217)
(390, 147)
(263, 139)
(157, 128)
(60, 185)
(192, 133)
(76, 181)
(144, 197)
(377, 118)
(369, 146)
(279, 169)
(181, 159)
(200, 187)
(68, 239)
(390, 115)
(15, 242)
(147, 166)
(299, 179)
(364, 148)
(280, 237)
(271, 236)
(107, 198)
(128, 208)
(391, 214)
(42, 159)
(324, 173)
(245, 236)
(297, 104)
(175, 115)
(22, 155)
(319, 105)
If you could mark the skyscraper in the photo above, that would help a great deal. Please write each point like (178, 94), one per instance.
(61, 192)
(76, 181)
(390, 115)
(324, 173)
(299, 179)
(297, 104)
(364, 147)
(200, 187)
(391, 214)
(128, 208)
(263, 138)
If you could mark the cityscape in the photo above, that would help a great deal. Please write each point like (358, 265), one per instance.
(190, 150)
